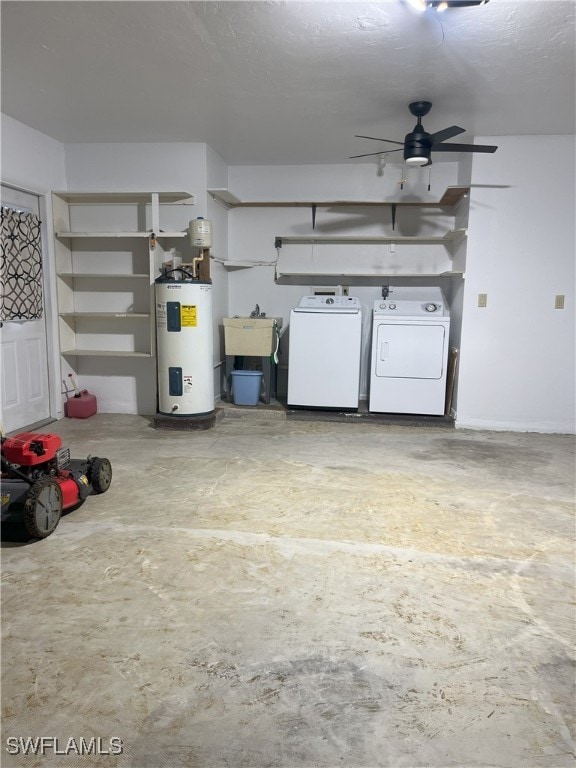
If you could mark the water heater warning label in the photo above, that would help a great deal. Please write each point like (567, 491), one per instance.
(187, 380)
(189, 318)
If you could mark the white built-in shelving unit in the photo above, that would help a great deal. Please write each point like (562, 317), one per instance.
(108, 249)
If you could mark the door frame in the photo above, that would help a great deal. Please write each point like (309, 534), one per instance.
(55, 404)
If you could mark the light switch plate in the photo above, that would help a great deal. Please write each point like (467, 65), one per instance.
(482, 299)
(559, 301)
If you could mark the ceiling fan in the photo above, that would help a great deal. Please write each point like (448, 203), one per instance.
(419, 145)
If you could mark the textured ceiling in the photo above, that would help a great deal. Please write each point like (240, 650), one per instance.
(285, 82)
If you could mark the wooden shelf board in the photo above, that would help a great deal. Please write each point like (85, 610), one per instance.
(368, 274)
(71, 235)
(91, 198)
(449, 236)
(224, 197)
(106, 315)
(240, 264)
(105, 276)
(451, 197)
(103, 353)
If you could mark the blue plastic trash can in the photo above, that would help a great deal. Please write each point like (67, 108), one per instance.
(246, 387)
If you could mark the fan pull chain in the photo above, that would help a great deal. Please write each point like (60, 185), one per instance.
(429, 176)
(402, 179)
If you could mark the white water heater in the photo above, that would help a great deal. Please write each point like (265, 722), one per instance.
(184, 343)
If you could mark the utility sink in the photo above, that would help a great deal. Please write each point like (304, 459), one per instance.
(251, 336)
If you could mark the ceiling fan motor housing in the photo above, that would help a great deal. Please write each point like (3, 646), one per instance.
(417, 146)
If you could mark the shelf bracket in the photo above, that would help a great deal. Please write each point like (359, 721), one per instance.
(313, 216)
(393, 216)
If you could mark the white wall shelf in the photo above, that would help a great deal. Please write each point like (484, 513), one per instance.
(447, 204)
(369, 274)
(242, 264)
(102, 353)
(309, 278)
(447, 237)
(106, 315)
(451, 197)
(103, 275)
(96, 198)
(70, 235)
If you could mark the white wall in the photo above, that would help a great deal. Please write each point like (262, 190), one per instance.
(32, 161)
(517, 356)
(128, 385)
(517, 366)
(252, 232)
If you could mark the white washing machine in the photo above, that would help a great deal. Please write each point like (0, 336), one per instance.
(410, 339)
(324, 353)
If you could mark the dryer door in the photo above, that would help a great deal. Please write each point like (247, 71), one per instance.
(410, 351)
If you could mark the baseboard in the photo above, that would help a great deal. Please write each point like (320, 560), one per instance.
(541, 427)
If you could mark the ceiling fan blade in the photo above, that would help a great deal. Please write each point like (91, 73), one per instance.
(382, 152)
(373, 138)
(464, 148)
(447, 133)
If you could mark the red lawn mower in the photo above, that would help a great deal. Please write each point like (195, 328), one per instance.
(40, 481)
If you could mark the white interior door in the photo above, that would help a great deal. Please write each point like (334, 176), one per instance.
(25, 396)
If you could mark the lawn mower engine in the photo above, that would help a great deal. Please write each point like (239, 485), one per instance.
(40, 480)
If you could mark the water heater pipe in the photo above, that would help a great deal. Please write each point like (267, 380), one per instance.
(195, 261)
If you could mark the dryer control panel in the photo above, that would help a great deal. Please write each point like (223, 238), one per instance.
(405, 301)
(403, 308)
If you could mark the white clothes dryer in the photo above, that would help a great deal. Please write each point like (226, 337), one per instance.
(410, 340)
(324, 353)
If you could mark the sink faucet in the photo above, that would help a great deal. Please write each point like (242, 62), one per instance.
(255, 312)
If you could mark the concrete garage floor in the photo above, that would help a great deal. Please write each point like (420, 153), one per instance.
(284, 593)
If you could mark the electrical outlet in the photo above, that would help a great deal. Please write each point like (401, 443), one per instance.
(559, 301)
(482, 299)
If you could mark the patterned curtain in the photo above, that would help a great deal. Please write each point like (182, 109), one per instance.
(20, 266)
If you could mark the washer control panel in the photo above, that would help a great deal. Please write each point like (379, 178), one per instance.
(329, 303)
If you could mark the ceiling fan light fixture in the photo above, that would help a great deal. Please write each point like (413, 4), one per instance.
(442, 5)
(418, 5)
(414, 162)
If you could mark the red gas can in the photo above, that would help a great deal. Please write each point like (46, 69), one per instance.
(82, 406)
